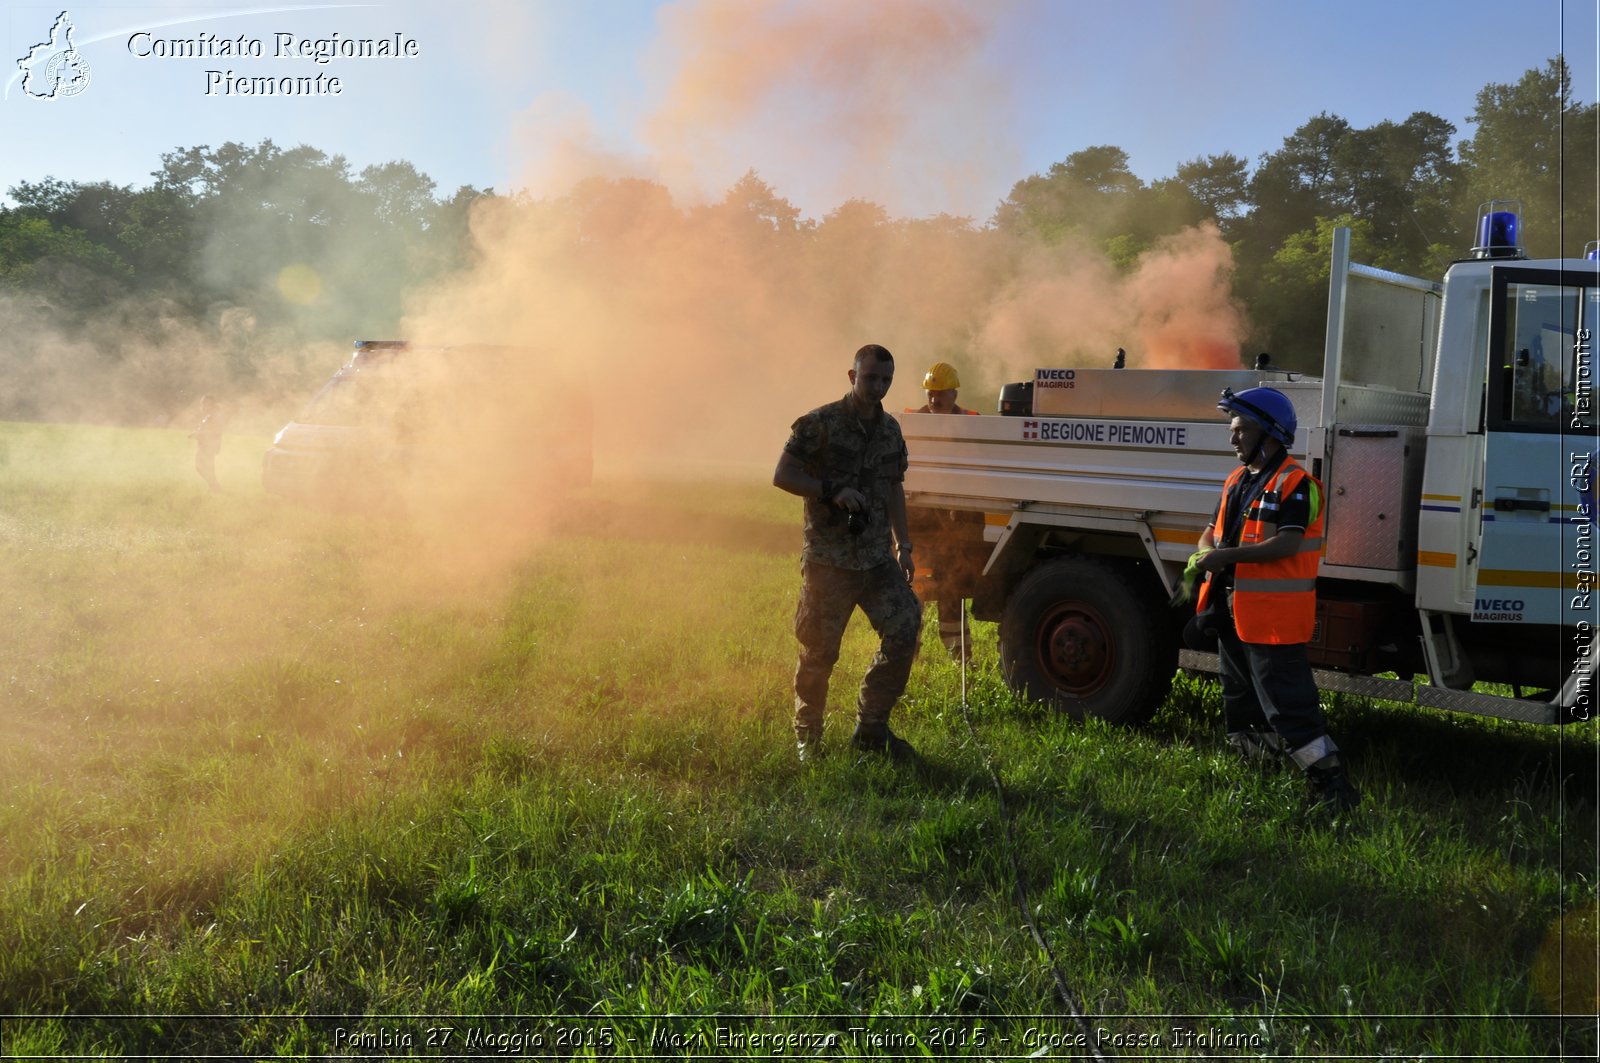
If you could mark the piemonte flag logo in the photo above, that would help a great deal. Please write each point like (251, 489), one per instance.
(1030, 429)
(54, 68)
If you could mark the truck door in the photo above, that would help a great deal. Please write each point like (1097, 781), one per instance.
(1535, 563)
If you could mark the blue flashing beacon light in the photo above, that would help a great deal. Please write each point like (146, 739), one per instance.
(1499, 230)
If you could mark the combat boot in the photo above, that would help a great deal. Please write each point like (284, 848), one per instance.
(1263, 748)
(884, 742)
(1331, 789)
(955, 635)
(808, 746)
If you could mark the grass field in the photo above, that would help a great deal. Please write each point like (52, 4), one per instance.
(278, 782)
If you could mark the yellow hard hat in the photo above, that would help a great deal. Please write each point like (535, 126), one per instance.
(941, 377)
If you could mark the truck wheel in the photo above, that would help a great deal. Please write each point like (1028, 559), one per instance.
(1077, 634)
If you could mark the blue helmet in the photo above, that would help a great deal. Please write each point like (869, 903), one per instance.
(1267, 407)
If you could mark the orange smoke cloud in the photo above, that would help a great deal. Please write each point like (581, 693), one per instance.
(683, 326)
(703, 324)
(1181, 293)
(556, 144)
(890, 101)
(1069, 306)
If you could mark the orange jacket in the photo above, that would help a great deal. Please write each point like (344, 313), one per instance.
(1273, 601)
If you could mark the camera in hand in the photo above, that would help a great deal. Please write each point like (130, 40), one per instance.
(856, 521)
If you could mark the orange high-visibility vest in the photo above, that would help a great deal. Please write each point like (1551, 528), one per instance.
(1273, 601)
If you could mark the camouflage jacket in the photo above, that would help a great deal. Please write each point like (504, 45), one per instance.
(833, 444)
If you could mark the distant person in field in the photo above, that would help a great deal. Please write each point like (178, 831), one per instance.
(207, 436)
(940, 531)
(848, 461)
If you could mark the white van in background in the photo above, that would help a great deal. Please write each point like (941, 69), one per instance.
(415, 423)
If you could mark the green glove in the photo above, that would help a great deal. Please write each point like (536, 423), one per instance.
(1190, 580)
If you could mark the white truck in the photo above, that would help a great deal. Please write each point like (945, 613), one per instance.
(1453, 429)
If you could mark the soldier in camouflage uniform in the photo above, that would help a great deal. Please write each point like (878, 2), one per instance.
(848, 461)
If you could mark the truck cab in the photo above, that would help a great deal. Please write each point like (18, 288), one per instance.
(1506, 564)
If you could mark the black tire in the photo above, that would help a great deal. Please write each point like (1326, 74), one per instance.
(1078, 634)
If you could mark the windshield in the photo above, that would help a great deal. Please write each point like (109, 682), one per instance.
(1545, 357)
(345, 400)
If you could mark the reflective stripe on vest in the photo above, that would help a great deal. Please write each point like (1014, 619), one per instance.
(1276, 585)
(1273, 601)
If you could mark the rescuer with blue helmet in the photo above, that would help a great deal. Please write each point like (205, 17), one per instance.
(1259, 557)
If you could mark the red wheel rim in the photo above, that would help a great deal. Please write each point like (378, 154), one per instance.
(1075, 648)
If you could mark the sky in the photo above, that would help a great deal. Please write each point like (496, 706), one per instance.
(923, 106)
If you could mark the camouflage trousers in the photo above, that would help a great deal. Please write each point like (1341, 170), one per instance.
(828, 595)
(953, 630)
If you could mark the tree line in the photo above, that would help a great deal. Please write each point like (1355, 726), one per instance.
(304, 249)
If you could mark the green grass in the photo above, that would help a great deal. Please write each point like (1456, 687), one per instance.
(333, 780)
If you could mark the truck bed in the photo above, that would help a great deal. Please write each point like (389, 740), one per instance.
(1094, 463)
(1164, 472)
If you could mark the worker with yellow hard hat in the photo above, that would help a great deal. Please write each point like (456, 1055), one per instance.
(941, 383)
(940, 531)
